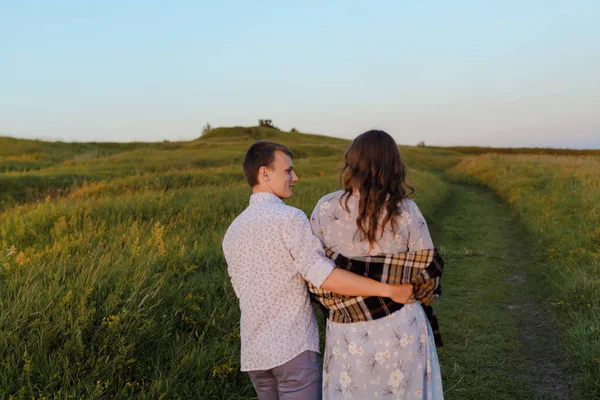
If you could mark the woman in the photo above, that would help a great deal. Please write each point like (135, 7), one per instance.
(393, 356)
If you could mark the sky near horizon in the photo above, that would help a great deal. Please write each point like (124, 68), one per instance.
(493, 73)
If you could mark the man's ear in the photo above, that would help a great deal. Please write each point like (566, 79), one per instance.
(263, 176)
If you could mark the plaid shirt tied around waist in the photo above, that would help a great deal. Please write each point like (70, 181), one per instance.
(423, 269)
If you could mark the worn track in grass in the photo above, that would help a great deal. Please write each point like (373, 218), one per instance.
(500, 342)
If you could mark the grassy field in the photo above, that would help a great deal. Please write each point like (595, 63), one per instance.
(113, 284)
(556, 200)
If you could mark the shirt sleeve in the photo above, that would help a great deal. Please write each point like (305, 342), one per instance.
(229, 259)
(306, 249)
(418, 233)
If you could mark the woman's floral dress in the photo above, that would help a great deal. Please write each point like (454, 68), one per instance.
(392, 357)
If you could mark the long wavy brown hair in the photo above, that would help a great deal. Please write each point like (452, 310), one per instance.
(374, 168)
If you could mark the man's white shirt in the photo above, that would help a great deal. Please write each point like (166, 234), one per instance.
(270, 251)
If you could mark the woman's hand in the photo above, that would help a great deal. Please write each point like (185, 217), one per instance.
(403, 294)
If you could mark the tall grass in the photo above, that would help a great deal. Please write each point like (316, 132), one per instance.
(119, 297)
(557, 198)
(472, 150)
(112, 280)
(31, 175)
(116, 286)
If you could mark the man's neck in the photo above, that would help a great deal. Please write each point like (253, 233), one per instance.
(262, 189)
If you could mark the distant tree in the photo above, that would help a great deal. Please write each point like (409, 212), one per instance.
(206, 128)
(421, 144)
(267, 123)
(294, 130)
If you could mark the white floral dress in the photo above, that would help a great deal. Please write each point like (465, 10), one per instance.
(392, 357)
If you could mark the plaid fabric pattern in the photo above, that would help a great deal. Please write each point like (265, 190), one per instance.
(421, 268)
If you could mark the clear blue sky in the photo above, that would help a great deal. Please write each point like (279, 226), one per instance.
(497, 73)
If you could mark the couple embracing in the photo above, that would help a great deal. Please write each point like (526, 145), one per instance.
(365, 257)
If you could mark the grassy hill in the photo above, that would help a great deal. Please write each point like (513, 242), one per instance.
(523, 150)
(33, 170)
(113, 283)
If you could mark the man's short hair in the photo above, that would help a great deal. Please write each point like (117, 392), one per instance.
(261, 154)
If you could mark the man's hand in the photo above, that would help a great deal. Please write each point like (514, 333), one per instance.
(403, 294)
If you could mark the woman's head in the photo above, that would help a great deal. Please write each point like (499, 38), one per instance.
(374, 168)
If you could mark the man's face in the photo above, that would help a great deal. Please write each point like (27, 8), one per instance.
(281, 176)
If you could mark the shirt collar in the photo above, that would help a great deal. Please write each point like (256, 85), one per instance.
(264, 197)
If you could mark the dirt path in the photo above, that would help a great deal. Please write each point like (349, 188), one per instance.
(501, 342)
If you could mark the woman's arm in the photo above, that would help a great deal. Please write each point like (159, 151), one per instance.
(418, 232)
(315, 223)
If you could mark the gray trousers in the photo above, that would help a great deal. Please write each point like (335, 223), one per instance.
(297, 379)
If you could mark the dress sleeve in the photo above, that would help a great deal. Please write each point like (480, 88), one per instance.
(418, 233)
(306, 249)
(316, 223)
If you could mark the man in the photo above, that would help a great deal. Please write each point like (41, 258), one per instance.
(271, 253)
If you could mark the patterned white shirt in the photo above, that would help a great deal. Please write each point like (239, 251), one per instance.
(270, 251)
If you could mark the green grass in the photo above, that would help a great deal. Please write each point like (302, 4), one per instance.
(472, 150)
(210, 159)
(113, 283)
(35, 154)
(113, 280)
(484, 312)
(556, 199)
(66, 167)
(128, 291)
